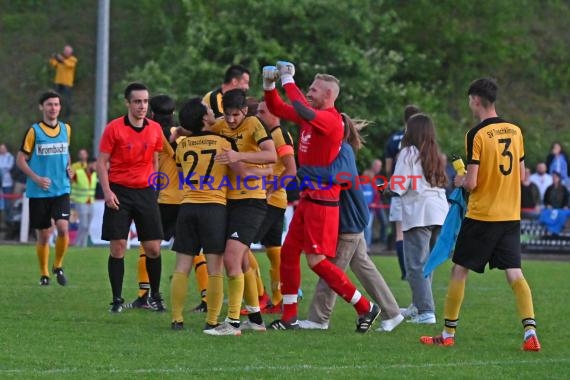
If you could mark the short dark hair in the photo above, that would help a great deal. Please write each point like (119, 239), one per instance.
(485, 88)
(48, 95)
(235, 72)
(191, 115)
(410, 111)
(135, 86)
(236, 98)
(162, 104)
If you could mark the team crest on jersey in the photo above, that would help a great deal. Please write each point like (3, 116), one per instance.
(305, 137)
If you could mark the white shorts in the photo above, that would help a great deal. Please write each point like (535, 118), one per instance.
(395, 209)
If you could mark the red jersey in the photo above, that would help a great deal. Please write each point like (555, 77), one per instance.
(131, 151)
(321, 132)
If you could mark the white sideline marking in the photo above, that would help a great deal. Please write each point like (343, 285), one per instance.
(278, 368)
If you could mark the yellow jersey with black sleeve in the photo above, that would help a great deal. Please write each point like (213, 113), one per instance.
(29, 142)
(204, 180)
(171, 191)
(213, 99)
(284, 147)
(247, 137)
(497, 147)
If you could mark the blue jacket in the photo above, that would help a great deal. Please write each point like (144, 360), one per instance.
(354, 211)
(445, 244)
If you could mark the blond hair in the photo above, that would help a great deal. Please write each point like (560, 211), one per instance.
(332, 83)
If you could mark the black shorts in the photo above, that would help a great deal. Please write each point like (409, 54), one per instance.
(138, 205)
(496, 243)
(245, 217)
(200, 226)
(43, 210)
(271, 232)
(168, 216)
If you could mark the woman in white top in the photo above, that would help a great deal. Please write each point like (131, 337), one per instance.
(420, 179)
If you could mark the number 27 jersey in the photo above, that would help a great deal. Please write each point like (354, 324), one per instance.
(497, 147)
(203, 179)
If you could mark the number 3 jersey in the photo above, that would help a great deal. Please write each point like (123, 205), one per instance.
(496, 146)
(202, 178)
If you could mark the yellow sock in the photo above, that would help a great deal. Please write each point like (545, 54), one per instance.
(142, 274)
(42, 251)
(250, 294)
(178, 291)
(453, 301)
(274, 256)
(214, 298)
(61, 244)
(201, 270)
(253, 264)
(523, 297)
(235, 290)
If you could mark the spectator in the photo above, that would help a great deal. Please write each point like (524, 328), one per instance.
(379, 212)
(83, 186)
(541, 179)
(369, 194)
(6, 181)
(530, 196)
(556, 195)
(64, 64)
(557, 161)
(82, 160)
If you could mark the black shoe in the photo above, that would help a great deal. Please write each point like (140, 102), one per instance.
(282, 325)
(177, 325)
(117, 305)
(60, 276)
(365, 322)
(44, 281)
(201, 308)
(209, 326)
(156, 303)
(140, 303)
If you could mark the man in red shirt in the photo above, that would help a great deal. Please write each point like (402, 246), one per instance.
(314, 228)
(128, 157)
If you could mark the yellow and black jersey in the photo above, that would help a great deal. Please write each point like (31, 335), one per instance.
(204, 180)
(213, 99)
(29, 142)
(284, 147)
(247, 137)
(497, 147)
(172, 194)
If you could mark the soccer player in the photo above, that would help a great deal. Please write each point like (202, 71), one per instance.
(490, 233)
(44, 159)
(236, 76)
(128, 157)
(169, 195)
(351, 249)
(284, 171)
(202, 217)
(246, 211)
(314, 228)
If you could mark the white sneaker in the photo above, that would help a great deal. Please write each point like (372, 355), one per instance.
(224, 328)
(249, 325)
(390, 324)
(310, 325)
(424, 318)
(409, 312)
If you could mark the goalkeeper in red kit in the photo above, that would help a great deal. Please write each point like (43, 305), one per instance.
(314, 228)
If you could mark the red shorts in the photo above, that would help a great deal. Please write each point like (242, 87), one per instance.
(314, 227)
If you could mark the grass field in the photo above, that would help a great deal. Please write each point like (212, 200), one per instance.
(68, 333)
